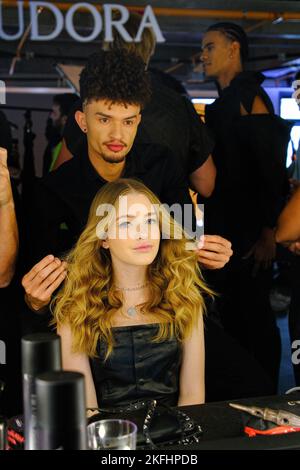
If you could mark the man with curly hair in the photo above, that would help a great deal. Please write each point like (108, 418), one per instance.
(168, 115)
(114, 87)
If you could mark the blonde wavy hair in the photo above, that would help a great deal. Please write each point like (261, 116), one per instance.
(88, 298)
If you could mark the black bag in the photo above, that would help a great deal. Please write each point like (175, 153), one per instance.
(158, 425)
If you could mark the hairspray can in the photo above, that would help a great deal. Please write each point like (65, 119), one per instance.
(61, 411)
(41, 352)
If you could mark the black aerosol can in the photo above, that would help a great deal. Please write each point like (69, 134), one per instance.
(61, 411)
(41, 352)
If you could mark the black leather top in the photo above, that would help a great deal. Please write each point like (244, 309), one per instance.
(138, 368)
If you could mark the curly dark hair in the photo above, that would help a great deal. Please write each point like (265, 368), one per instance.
(118, 76)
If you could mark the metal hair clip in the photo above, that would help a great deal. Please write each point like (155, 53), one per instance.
(280, 417)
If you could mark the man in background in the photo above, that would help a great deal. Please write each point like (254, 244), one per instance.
(61, 107)
(250, 153)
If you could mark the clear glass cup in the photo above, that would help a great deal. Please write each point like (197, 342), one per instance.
(112, 434)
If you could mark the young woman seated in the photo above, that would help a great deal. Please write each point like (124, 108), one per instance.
(130, 313)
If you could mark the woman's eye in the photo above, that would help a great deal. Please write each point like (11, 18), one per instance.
(151, 221)
(124, 224)
(103, 120)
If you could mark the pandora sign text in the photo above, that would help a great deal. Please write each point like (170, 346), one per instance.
(102, 22)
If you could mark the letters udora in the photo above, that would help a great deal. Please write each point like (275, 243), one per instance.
(102, 21)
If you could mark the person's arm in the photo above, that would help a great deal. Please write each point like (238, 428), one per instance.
(63, 156)
(77, 362)
(201, 167)
(192, 377)
(214, 251)
(9, 238)
(288, 226)
(258, 107)
(261, 132)
(203, 178)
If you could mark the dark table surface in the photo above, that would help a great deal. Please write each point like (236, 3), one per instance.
(223, 426)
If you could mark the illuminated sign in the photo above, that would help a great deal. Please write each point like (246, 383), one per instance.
(104, 22)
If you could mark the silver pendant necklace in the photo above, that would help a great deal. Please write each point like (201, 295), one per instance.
(132, 310)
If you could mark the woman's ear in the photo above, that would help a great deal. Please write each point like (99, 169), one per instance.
(105, 244)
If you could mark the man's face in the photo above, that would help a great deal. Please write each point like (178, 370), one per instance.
(216, 54)
(111, 128)
(56, 117)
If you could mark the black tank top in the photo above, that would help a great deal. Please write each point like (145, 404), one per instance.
(138, 368)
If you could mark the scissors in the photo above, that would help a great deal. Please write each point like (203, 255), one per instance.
(280, 417)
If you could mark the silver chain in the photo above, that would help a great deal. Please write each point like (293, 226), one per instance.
(132, 288)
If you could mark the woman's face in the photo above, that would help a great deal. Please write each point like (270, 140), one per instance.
(133, 237)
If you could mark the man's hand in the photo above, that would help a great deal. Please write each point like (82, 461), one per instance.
(263, 251)
(6, 196)
(214, 251)
(42, 280)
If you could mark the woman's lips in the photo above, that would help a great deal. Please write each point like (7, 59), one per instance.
(143, 248)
